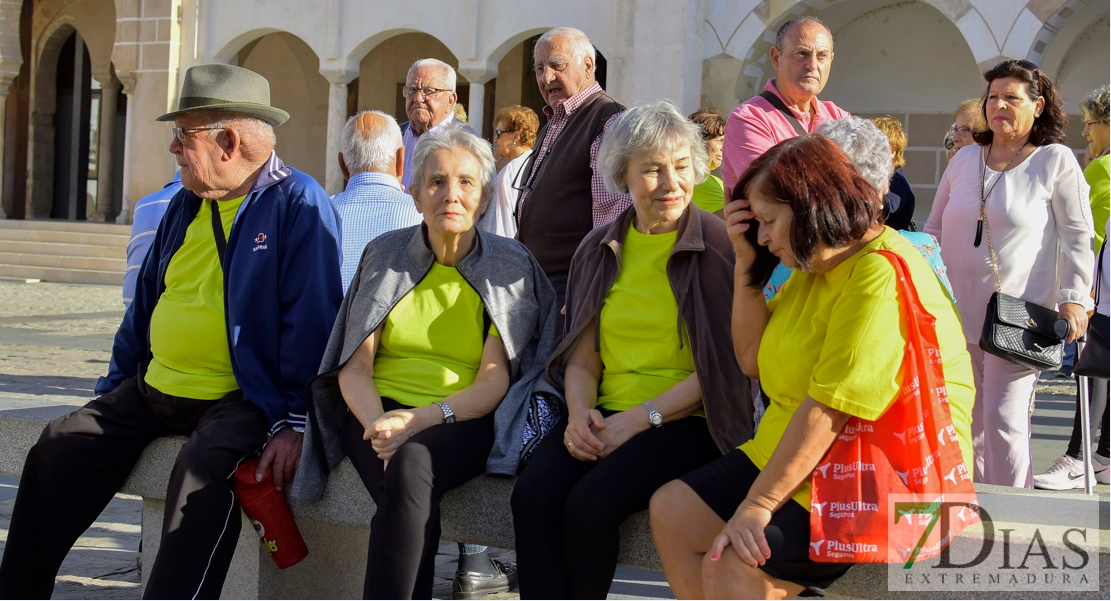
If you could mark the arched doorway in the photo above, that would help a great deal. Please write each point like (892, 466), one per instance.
(297, 87)
(73, 99)
(79, 118)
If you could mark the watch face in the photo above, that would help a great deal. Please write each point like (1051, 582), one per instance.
(656, 418)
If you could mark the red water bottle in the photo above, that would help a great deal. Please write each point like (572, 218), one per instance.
(269, 513)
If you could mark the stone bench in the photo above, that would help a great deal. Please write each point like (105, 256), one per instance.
(336, 529)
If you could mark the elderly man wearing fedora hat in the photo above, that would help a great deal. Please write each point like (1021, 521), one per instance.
(231, 314)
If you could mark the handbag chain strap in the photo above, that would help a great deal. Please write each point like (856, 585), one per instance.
(984, 210)
(1099, 272)
(984, 218)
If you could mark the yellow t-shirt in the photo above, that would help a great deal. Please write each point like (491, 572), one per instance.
(188, 330)
(431, 344)
(710, 194)
(641, 355)
(833, 337)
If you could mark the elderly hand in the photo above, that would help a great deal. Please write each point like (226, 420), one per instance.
(745, 532)
(1077, 318)
(622, 426)
(737, 216)
(281, 455)
(391, 430)
(580, 436)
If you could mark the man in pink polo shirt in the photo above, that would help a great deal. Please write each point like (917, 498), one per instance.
(789, 105)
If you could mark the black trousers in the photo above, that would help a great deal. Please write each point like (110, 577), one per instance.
(1096, 387)
(405, 529)
(567, 512)
(82, 459)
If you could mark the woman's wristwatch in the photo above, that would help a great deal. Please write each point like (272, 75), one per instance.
(654, 416)
(449, 415)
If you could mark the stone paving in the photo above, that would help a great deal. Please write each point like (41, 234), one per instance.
(55, 341)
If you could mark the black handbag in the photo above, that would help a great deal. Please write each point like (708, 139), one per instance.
(1014, 329)
(1093, 359)
(1021, 332)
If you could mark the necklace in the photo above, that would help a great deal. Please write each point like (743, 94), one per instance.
(983, 196)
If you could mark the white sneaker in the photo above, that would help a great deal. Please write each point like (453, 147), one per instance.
(1065, 474)
(1102, 467)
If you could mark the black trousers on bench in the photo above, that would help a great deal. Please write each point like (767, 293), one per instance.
(405, 529)
(82, 459)
(567, 513)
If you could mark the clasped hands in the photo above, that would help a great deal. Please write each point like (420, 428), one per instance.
(387, 433)
(590, 437)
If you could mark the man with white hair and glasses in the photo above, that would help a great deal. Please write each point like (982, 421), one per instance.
(429, 103)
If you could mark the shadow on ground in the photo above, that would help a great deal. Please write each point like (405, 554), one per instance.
(47, 385)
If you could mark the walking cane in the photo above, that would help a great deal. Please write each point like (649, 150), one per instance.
(1085, 411)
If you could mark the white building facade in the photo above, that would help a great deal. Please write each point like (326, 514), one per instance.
(81, 81)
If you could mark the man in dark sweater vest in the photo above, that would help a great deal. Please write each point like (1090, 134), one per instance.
(562, 194)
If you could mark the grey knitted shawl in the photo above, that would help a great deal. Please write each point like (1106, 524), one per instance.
(518, 298)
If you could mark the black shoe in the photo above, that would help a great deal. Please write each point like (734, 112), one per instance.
(476, 585)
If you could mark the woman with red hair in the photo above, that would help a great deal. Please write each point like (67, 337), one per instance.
(827, 348)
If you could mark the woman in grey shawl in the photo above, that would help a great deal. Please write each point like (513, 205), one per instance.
(433, 363)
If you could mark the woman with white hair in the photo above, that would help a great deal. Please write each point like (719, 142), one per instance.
(869, 148)
(652, 384)
(432, 364)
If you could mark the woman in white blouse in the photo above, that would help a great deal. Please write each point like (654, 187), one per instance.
(514, 135)
(1039, 224)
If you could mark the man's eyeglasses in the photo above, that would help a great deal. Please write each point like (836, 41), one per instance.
(963, 129)
(427, 91)
(179, 132)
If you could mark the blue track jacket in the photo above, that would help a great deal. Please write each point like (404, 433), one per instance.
(281, 290)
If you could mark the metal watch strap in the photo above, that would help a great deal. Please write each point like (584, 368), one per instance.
(655, 418)
(449, 415)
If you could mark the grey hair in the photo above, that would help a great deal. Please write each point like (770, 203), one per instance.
(455, 136)
(654, 128)
(799, 20)
(447, 70)
(866, 146)
(372, 148)
(580, 43)
(1095, 104)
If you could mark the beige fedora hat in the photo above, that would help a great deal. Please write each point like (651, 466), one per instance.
(227, 88)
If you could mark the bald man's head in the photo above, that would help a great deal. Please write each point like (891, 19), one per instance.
(371, 142)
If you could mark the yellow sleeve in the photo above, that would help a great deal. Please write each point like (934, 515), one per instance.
(858, 369)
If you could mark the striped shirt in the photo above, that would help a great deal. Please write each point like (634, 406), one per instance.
(371, 205)
(607, 205)
(145, 218)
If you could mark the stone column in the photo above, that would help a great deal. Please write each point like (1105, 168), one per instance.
(127, 79)
(478, 78)
(11, 59)
(337, 117)
(5, 85)
(106, 149)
